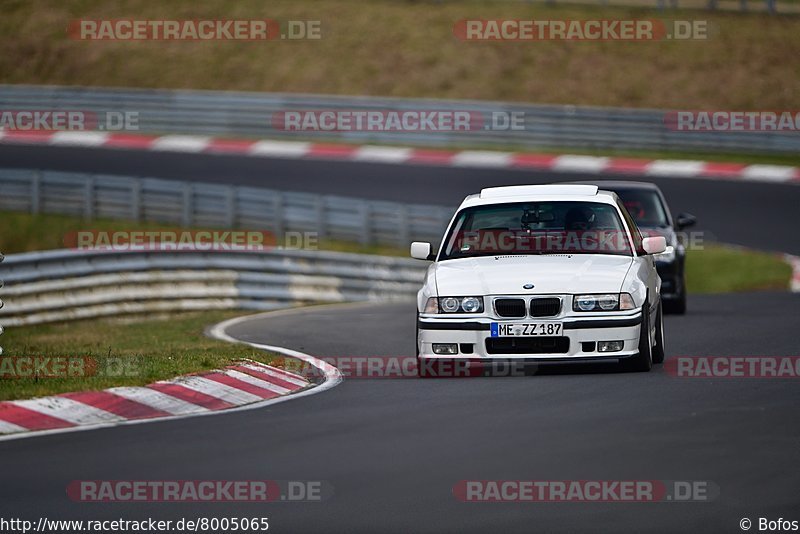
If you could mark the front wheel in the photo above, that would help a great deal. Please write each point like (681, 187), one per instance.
(658, 349)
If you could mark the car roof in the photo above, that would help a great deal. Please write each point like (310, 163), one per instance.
(545, 192)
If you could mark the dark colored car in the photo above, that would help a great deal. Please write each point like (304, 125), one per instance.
(648, 207)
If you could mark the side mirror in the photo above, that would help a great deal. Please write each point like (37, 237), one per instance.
(421, 250)
(654, 245)
(685, 220)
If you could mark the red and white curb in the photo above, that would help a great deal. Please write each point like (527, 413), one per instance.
(237, 385)
(242, 386)
(412, 156)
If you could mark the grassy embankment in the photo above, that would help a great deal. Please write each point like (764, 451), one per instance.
(407, 49)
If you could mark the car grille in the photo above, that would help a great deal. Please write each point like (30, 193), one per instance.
(546, 307)
(527, 345)
(510, 307)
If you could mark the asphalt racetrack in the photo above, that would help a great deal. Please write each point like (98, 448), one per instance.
(393, 449)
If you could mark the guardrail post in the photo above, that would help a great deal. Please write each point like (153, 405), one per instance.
(186, 220)
(404, 226)
(319, 208)
(36, 192)
(230, 207)
(366, 223)
(88, 198)
(136, 199)
(277, 210)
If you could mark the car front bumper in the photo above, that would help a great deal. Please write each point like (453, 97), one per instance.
(578, 341)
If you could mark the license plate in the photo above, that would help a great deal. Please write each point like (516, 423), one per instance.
(526, 329)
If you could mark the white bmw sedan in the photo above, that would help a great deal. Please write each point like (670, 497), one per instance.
(541, 273)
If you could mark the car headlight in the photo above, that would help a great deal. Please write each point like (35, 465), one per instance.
(603, 302)
(667, 256)
(454, 305)
(449, 304)
(471, 304)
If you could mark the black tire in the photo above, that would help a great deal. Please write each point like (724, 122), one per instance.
(658, 349)
(642, 361)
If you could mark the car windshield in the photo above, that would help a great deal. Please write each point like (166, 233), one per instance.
(536, 228)
(645, 207)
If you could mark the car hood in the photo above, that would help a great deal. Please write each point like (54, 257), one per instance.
(549, 273)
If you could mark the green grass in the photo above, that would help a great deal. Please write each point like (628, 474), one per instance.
(23, 232)
(127, 352)
(407, 49)
(721, 269)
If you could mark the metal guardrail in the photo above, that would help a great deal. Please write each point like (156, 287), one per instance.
(250, 115)
(221, 206)
(775, 7)
(66, 284)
